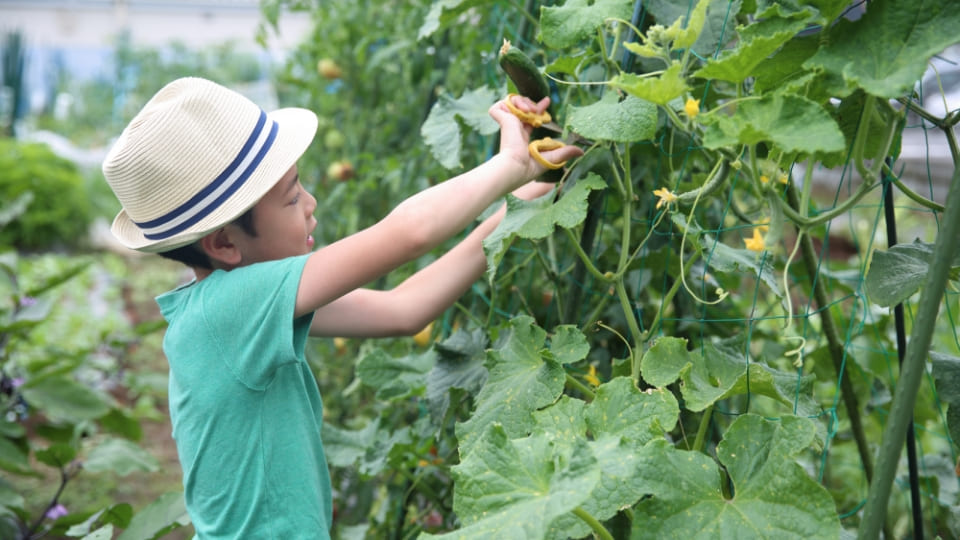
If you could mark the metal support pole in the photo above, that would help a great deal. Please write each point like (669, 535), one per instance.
(914, 365)
(891, 221)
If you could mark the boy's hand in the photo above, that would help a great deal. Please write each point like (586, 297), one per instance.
(515, 136)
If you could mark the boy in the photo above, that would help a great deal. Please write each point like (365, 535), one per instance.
(208, 178)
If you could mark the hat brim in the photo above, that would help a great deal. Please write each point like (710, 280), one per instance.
(296, 129)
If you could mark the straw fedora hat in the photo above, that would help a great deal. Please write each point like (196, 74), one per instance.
(196, 157)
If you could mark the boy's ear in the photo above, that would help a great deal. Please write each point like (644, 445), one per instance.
(220, 247)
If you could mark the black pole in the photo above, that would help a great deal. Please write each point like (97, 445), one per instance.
(891, 221)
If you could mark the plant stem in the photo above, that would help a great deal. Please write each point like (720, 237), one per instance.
(637, 336)
(912, 195)
(580, 387)
(834, 344)
(914, 366)
(713, 183)
(700, 441)
(64, 478)
(598, 529)
(587, 263)
(803, 222)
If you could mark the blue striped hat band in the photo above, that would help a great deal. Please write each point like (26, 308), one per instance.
(217, 192)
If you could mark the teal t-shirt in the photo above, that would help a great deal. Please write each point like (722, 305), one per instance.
(245, 407)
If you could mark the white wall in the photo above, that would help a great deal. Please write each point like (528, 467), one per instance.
(97, 23)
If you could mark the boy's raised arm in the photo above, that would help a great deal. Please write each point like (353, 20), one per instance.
(425, 220)
(421, 298)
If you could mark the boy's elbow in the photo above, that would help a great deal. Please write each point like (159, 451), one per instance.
(411, 325)
(413, 230)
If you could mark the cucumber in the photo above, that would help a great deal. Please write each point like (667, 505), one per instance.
(530, 83)
(522, 71)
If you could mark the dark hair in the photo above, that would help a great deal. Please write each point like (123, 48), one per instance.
(193, 255)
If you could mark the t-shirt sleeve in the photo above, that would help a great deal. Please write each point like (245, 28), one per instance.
(250, 311)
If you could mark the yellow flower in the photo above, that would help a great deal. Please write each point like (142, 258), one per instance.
(692, 107)
(666, 197)
(764, 179)
(755, 243)
(591, 376)
(782, 179)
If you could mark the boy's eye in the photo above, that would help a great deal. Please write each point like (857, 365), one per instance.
(295, 200)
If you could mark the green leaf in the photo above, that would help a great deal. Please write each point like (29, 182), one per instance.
(716, 28)
(103, 533)
(946, 377)
(523, 378)
(10, 211)
(121, 457)
(568, 345)
(460, 360)
(757, 41)
(10, 498)
(57, 279)
(395, 378)
(848, 115)
(886, 51)
(785, 68)
(897, 273)
(120, 422)
(515, 488)
(578, 20)
(11, 429)
(664, 361)
(271, 11)
(773, 496)
(725, 259)
(621, 409)
(538, 218)
(790, 122)
(386, 445)
(441, 131)
(118, 514)
(29, 316)
(61, 398)
(442, 13)
(13, 458)
(668, 86)
(720, 372)
(56, 455)
(344, 447)
(620, 420)
(161, 516)
(610, 119)
(562, 420)
(691, 26)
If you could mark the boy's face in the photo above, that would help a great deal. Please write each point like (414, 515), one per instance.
(283, 220)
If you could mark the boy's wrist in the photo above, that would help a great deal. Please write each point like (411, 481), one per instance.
(512, 170)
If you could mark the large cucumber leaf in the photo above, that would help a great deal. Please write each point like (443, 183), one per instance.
(578, 20)
(538, 219)
(791, 122)
(720, 372)
(524, 375)
(610, 119)
(441, 131)
(773, 496)
(514, 488)
(886, 51)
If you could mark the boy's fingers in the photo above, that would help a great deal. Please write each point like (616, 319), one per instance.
(562, 154)
(543, 104)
